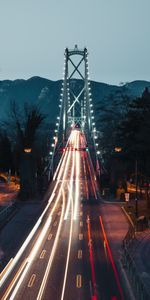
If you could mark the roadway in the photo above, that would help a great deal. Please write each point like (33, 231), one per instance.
(67, 255)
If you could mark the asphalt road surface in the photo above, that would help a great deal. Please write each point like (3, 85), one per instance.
(67, 254)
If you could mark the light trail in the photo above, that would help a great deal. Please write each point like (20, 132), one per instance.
(86, 182)
(31, 258)
(35, 249)
(17, 275)
(77, 187)
(69, 248)
(94, 175)
(93, 182)
(111, 259)
(25, 244)
(62, 159)
(71, 187)
(91, 259)
(44, 281)
(42, 234)
(32, 233)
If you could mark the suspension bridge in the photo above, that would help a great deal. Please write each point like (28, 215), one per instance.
(66, 256)
(76, 109)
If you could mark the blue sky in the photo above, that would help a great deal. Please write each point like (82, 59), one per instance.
(34, 34)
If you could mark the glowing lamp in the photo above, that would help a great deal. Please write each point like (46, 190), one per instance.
(27, 150)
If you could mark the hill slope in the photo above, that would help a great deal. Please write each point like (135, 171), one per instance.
(45, 93)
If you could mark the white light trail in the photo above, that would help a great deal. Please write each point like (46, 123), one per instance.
(44, 281)
(77, 179)
(25, 244)
(43, 285)
(29, 260)
(69, 248)
(30, 236)
(71, 187)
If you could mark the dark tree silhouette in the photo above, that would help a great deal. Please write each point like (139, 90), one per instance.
(134, 133)
(24, 131)
(5, 152)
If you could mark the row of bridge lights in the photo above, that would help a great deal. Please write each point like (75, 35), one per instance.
(94, 131)
(53, 145)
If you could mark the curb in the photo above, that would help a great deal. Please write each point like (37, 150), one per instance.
(128, 218)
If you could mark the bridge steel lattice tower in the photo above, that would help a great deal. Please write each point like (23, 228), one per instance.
(76, 107)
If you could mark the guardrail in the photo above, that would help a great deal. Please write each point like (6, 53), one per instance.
(129, 263)
(138, 284)
(130, 236)
(6, 211)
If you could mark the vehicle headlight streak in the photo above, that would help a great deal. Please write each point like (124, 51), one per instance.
(62, 159)
(71, 187)
(41, 237)
(69, 248)
(30, 236)
(77, 180)
(25, 244)
(44, 281)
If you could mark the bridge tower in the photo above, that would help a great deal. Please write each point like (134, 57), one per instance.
(75, 97)
(76, 107)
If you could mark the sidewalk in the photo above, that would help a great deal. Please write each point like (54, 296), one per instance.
(116, 225)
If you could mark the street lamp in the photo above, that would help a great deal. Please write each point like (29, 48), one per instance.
(27, 150)
(118, 149)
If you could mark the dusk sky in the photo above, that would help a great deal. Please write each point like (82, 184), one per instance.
(34, 34)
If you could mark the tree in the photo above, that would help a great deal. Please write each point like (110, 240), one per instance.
(24, 132)
(134, 133)
(5, 152)
(111, 113)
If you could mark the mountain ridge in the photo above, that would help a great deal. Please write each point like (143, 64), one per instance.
(45, 93)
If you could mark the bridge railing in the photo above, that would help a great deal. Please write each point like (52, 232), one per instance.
(5, 212)
(129, 264)
(138, 284)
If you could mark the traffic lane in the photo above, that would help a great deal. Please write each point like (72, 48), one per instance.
(106, 284)
(28, 249)
(56, 277)
(21, 224)
(89, 177)
(32, 282)
(77, 285)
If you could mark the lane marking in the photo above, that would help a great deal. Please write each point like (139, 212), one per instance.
(81, 213)
(80, 236)
(42, 254)
(52, 255)
(81, 223)
(50, 236)
(79, 254)
(31, 281)
(55, 223)
(59, 213)
(42, 235)
(91, 259)
(69, 249)
(79, 281)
